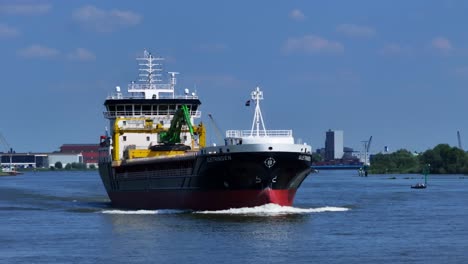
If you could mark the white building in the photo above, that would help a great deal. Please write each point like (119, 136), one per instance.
(65, 158)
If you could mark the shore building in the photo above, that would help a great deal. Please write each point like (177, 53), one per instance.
(24, 160)
(334, 145)
(89, 152)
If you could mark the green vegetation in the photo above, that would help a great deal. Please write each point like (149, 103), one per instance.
(75, 166)
(58, 165)
(316, 157)
(442, 159)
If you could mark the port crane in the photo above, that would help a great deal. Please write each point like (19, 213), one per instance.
(459, 140)
(8, 150)
(367, 145)
(4, 143)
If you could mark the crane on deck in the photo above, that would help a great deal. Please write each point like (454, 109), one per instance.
(216, 129)
(181, 117)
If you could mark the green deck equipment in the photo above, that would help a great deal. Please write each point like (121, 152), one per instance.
(181, 117)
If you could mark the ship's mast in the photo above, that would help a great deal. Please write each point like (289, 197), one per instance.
(150, 71)
(257, 95)
(150, 82)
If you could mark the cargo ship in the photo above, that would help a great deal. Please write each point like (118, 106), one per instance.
(154, 156)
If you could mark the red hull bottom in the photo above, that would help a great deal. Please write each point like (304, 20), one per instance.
(201, 200)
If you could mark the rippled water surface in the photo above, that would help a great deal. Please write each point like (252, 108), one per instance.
(338, 217)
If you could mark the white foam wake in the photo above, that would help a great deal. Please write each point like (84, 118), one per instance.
(274, 209)
(267, 210)
(143, 212)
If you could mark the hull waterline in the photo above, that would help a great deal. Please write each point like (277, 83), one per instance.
(201, 200)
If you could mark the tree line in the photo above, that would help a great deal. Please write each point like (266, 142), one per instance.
(71, 166)
(442, 159)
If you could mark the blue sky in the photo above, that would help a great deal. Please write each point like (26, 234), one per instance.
(394, 70)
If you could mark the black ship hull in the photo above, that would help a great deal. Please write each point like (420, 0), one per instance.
(206, 181)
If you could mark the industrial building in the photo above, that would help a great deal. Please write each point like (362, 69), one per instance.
(64, 158)
(24, 160)
(89, 152)
(68, 154)
(335, 155)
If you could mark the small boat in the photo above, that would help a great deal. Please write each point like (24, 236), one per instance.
(9, 172)
(422, 185)
(419, 186)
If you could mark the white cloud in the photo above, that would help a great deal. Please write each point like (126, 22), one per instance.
(442, 44)
(105, 20)
(352, 30)
(7, 31)
(25, 9)
(297, 15)
(38, 51)
(81, 54)
(312, 44)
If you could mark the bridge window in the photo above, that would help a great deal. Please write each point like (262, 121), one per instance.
(120, 108)
(163, 109)
(146, 109)
(172, 108)
(128, 109)
(137, 109)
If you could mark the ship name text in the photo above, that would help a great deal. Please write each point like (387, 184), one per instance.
(218, 158)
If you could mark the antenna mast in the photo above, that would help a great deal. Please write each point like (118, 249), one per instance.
(150, 72)
(257, 95)
(150, 84)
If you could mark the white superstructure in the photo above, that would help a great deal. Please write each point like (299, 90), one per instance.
(258, 138)
(137, 117)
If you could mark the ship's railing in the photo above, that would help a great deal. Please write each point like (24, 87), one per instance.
(142, 96)
(261, 133)
(148, 86)
(114, 114)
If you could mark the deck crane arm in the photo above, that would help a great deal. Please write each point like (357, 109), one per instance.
(216, 128)
(181, 117)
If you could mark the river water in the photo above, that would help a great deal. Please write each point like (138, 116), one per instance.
(338, 217)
